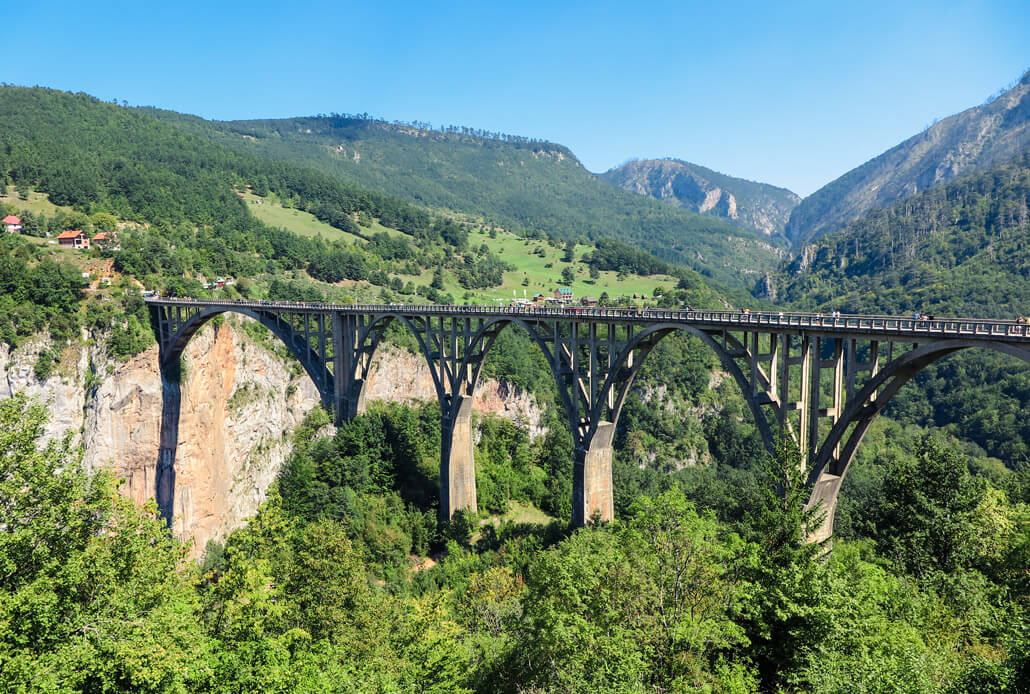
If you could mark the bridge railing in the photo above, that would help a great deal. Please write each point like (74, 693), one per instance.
(978, 327)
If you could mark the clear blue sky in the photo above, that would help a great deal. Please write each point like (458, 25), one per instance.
(792, 93)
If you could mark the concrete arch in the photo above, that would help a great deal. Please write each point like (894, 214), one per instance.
(315, 367)
(483, 340)
(827, 474)
(659, 332)
(367, 343)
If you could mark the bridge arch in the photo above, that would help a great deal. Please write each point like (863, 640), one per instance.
(648, 339)
(829, 468)
(314, 366)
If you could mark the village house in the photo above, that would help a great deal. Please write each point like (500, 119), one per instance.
(74, 238)
(107, 240)
(588, 301)
(563, 294)
(12, 224)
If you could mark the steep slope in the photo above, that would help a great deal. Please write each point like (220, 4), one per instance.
(758, 206)
(962, 249)
(525, 185)
(974, 140)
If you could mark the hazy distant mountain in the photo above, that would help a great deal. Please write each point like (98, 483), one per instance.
(974, 140)
(758, 206)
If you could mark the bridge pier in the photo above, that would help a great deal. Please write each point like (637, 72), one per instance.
(457, 461)
(592, 494)
(171, 401)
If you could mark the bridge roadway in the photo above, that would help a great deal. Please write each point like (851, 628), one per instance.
(817, 379)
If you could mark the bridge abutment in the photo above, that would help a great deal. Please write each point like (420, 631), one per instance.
(592, 495)
(457, 468)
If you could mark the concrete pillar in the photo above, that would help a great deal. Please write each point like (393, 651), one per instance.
(457, 464)
(592, 478)
(824, 497)
(171, 400)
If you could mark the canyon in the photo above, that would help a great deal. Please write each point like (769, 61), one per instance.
(241, 399)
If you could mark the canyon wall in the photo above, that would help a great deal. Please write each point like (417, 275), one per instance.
(240, 401)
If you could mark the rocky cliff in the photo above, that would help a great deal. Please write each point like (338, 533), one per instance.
(758, 206)
(240, 402)
(975, 140)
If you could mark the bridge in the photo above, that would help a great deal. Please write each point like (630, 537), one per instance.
(819, 379)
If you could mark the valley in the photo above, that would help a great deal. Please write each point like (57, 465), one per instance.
(508, 523)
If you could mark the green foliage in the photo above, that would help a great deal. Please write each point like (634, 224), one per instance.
(536, 188)
(94, 595)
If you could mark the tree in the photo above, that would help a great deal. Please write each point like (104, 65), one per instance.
(924, 521)
(568, 275)
(437, 282)
(94, 594)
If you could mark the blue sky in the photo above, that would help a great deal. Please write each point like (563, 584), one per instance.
(791, 93)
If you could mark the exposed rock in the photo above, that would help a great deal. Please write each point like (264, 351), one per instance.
(400, 376)
(240, 402)
(974, 140)
(758, 206)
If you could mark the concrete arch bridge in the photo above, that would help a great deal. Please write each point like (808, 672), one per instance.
(820, 380)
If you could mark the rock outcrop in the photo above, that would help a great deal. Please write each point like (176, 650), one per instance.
(758, 206)
(240, 401)
(974, 140)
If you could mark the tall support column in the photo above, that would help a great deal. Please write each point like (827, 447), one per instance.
(784, 379)
(592, 494)
(805, 395)
(815, 396)
(457, 461)
(171, 400)
(348, 394)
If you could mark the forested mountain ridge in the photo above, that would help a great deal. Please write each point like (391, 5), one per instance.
(962, 248)
(759, 206)
(973, 140)
(525, 185)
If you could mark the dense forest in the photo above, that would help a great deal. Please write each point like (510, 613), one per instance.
(529, 186)
(329, 588)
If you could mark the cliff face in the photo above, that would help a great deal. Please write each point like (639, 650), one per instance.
(239, 404)
(758, 206)
(977, 139)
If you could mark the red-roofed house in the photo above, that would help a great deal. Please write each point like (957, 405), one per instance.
(107, 239)
(12, 224)
(73, 238)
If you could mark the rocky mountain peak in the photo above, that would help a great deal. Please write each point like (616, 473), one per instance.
(758, 206)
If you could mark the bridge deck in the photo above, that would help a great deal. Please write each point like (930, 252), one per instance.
(894, 327)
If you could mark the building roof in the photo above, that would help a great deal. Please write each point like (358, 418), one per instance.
(11, 219)
(70, 234)
(565, 290)
(103, 236)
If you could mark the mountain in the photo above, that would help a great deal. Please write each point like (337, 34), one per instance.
(974, 140)
(962, 248)
(758, 206)
(525, 185)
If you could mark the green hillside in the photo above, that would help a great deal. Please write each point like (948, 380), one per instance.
(962, 249)
(189, 209)
(959, 249)
(976, 139)
(524, 185)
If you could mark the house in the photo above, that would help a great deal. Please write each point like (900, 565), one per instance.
(588, 301)
(74, 238)
(12, 224)
(537, 298)
(563, 294)
(107, 240)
